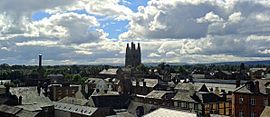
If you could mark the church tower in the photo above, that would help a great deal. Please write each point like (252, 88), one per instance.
(133, 55)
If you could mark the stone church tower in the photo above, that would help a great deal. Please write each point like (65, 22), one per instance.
(133, 55)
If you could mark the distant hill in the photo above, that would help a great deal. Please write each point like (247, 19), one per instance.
(266, 62)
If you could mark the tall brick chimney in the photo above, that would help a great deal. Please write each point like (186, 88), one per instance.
(257, 86)
(40, 61)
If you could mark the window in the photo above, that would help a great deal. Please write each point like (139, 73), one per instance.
(187, 105)
(252, 101)
(195, 106)
(241, 100)
(265, 102)
(184, 105)
(175, 104)
(252, 114)
(66, 91)
(241, 114)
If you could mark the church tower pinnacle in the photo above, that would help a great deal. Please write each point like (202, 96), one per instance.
(133, 55)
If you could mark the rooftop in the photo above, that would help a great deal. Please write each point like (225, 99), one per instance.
(111, 71)
(109, 93)
(24, 113)
(9, 109)
(163, 112)
(157, 94)
(30, 98)
(75, 101)
(257, 69)
(184, 96)
(266, 112)
(149, 82)
(84, 110)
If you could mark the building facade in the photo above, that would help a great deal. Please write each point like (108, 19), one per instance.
(250, 99)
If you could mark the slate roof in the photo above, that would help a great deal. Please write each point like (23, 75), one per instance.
(149, 82)
(30, 98)
(184, 96)
(196, 97)
(186, 86)
(263, 84)
(31, 107)
(226, 87)
(9, 109)
(190, 86)
(17, 111)
(163, 112)
(243, 89)
(111, 71)
(84, 110)
(105, 94)
(266, 112)
(75, 101)
(157, 94)
(25, 113)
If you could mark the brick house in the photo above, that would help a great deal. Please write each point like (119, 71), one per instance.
(198, 99)
(59, 91)
(250, 99)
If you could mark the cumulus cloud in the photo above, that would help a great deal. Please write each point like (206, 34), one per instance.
(186, 31)
(209, 18)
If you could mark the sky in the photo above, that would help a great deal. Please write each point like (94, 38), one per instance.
(96, 31)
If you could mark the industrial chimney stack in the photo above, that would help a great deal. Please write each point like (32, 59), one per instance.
(40, 61)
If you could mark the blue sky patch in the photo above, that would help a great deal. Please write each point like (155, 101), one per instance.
(40, 15)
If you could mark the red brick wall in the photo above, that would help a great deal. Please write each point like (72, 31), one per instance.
(246, 106)
(58, 93)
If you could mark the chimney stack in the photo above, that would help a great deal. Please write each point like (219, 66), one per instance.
(257, 86)
(217, 91)
(20, 100)
(144, 84)
(137, 83)
(40, 61)
(237, 83)
(224, 95)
